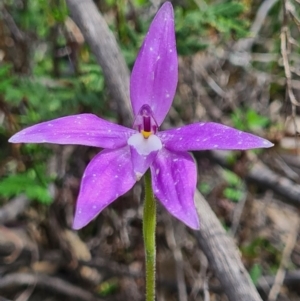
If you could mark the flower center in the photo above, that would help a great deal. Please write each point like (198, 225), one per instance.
(145, 122)
(145, 142)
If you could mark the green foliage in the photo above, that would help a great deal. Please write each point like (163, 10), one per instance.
(91, 77)
(139, 2)
(231, 178)
(255, 273)
(5, 79)
(259, 247)
(226, 18)
(194, 25)
(46, 98)
(233, 194)
(204, 188)
(108, 287)
(248, 120)
(38, 16)
(33, 183)
(235, 189)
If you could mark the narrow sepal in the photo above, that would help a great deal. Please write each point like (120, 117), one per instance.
(206, 136)
(155, 72)
(174, 178)
(82, 129)
(108, 176)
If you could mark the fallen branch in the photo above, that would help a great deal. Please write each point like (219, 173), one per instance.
(16, 281)
(223, 255)
(16, 33)
(177, 254)
(292, 278)
(280, 275)
(260, 17)
(13, 208)
(4, 299)
(264, 177)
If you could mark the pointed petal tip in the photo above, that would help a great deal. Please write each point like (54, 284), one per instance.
(192, 222)
(79, 223)
(77, 226)
(258, 143)
(11, 139)
(82, 217)
(267, 144)
(16, 138)
(167, 7)
(189, 217)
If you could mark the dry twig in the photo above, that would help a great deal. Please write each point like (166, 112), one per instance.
(11, 24)
(286, 42)
(222, 255)
(261, 175)
(170, 236)
(280, 275)
(15, 281)
(13, 208)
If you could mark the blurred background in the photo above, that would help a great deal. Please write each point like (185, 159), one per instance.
(239, 64)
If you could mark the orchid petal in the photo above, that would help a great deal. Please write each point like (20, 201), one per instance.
(205, 136)
(108, 176)
(174, 178)
(155, 73)
(143, 152)
(82, 129)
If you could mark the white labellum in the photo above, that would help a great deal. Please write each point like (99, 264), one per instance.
(144, 146)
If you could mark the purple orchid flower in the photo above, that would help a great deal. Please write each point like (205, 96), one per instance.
(128, 153)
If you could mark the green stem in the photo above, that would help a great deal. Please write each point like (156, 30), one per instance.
(149, 225)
